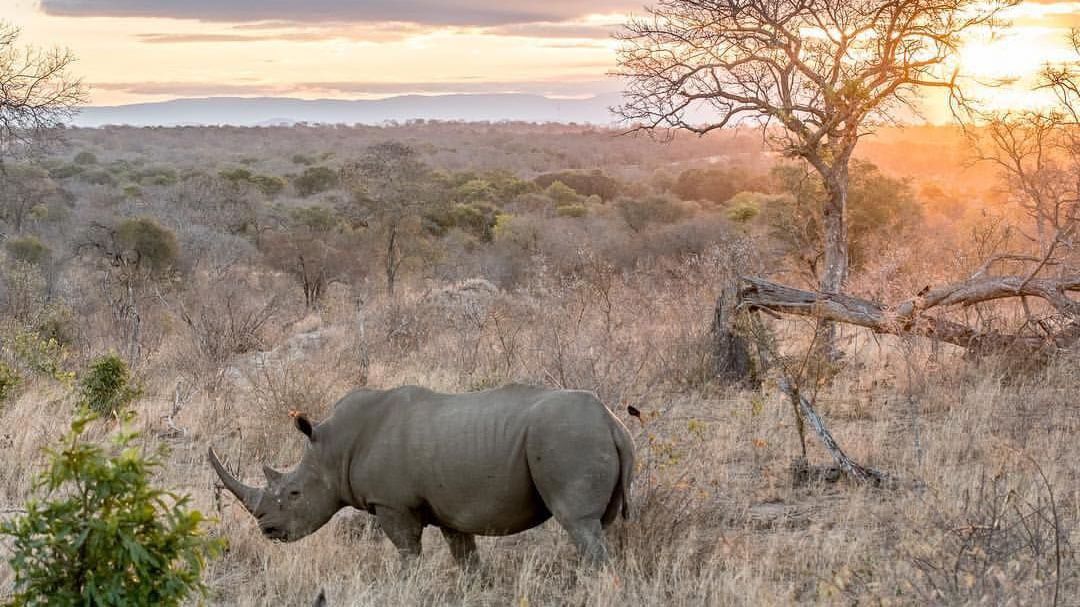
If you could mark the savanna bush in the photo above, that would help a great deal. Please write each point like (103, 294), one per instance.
(315, 180)
(28, 249)
(106, 387)
(9, 381)
(102, 534)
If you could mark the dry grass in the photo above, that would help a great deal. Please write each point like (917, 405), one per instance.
(716, 519)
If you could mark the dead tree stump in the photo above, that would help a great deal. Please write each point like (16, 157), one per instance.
(731, 353)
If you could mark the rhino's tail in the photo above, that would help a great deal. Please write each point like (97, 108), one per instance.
(624, 445)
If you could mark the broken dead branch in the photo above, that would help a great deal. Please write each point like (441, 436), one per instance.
(909, 317)
(809, 416)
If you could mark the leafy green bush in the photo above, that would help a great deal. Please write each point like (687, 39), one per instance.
(29, 249)
(25, 293)
(102, 535)
(745, 206)
(571, 210)
(316, 218)
(65, 171)
(267, 185)
(315, 180)
(106, 387)
(562, 194)
(85, 158)
(57, 323)
(152, 245)
(9, 381)
(585, 183)
(639, 213)
(40, 355)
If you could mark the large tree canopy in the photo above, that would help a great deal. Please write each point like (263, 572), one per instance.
(824, 71)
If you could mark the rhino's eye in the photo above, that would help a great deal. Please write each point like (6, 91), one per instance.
(294, 494)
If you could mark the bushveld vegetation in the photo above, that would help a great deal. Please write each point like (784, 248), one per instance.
(233, 304)
(212, 280)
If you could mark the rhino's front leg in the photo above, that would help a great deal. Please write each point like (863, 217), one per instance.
(404, 530)
(462, 548)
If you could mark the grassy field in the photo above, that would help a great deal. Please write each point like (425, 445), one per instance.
(985, 511)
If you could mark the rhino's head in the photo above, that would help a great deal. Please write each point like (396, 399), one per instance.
(293, 504)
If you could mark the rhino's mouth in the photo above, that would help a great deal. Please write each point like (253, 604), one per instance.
(274, 533)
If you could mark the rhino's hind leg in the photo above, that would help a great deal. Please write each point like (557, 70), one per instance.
(404, 530)
(588, 537)
(462, 548)
(576, 477)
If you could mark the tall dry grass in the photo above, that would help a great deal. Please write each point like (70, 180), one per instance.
(986, 512)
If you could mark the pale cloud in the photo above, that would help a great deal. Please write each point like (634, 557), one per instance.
(430, 12)
(360, 89)
(280, 32)
(343, 49)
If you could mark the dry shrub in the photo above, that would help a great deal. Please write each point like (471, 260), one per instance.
(228, 315)
(1005, 535)
(308, 373)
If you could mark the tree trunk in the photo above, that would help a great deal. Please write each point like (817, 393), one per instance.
(835, 242)
(834, 225)
(391, 261)
(133, 350)
(731, 356)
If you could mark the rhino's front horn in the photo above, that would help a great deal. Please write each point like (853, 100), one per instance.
(249, 496)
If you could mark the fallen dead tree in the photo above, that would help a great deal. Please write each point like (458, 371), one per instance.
(1059, 330)
(911, 317)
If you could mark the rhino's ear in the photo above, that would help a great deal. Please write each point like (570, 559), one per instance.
(303, 424)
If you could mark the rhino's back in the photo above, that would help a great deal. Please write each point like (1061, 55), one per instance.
(460, 458)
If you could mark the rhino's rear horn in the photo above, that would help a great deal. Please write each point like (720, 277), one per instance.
(272, 476)
(249, 496)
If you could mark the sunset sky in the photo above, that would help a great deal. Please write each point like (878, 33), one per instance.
(151, 50)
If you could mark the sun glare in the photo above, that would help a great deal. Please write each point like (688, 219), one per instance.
(1005, 66)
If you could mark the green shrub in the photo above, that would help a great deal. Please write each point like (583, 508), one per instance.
(106, 387)
(9, 381)
(100, 177)
(744, 206)
(585, 183)
(41, 356)
(269, 185)
(315, 180)
(66, 170)
(639, 213)
(562, 194)
(85, 158)
(571, 210)
(155, 247)
(316, 218)
(102, 534)
(27, 248)
(57, 323)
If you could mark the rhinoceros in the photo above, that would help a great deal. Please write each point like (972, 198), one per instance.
(495, 462)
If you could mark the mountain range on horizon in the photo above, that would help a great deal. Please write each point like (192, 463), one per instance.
(272, 111)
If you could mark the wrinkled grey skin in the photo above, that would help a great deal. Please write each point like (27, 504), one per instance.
(485, 463)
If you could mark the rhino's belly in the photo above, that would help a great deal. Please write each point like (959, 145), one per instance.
(489, 510)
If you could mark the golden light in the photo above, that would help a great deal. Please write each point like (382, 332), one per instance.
(1005, 65)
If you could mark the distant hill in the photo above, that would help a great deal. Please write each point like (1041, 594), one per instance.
(266, 111)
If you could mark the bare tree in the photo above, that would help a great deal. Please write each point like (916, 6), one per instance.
(816, 74)
(22, 188)
(390, 184)
(37, 92)
(135, 254)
